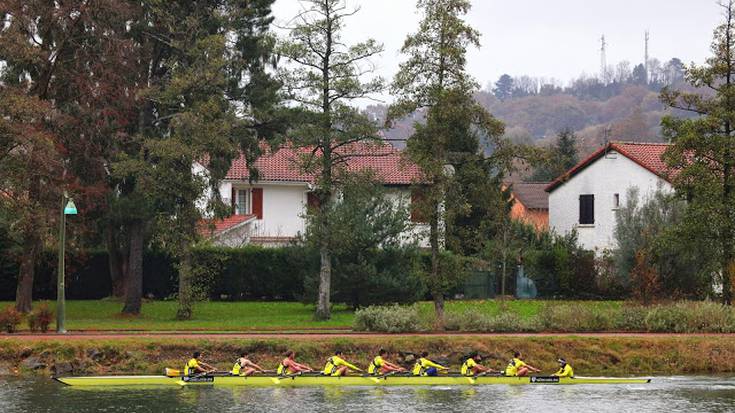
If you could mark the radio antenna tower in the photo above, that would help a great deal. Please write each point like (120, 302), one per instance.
(645, 56)
(603, 59)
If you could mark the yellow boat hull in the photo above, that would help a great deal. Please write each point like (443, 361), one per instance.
(301, 381)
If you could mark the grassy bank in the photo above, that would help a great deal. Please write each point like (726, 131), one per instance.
(616, 356)
(248, 316)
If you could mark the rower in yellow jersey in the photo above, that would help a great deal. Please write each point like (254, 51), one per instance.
(336, 366)
(196, 366)
(472, 366)
(379, 366)
(565, 370)
(519, 368)
(244, 367)
(426, 367)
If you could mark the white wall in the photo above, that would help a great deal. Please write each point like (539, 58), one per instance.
(417, 232)
(283, 207)
(609, 175)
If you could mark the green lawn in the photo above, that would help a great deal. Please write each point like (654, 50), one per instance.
(249, 316)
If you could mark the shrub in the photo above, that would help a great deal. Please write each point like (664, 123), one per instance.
(40, 318)
(630, 318)
(690, 317)
(570, 318)
(10, 319)
(388, 319)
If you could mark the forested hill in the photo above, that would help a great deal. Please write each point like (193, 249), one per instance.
(621, 105)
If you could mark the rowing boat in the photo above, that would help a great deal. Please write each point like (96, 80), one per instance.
(301, 381)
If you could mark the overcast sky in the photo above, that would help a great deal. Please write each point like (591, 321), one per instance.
(545, 38)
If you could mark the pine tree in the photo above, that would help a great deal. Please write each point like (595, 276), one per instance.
(504, 88)
(434, 79)
(703, 151)
(323, 75)
(560, 158)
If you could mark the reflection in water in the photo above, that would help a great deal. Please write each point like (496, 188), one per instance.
(665, 394)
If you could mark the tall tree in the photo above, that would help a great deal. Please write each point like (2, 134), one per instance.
(703, 151)
(323, 76)
(504, 87)
(559, 158)
(63, 59)
(434, 79)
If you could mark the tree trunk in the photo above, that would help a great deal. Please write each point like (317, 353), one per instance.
(437, 293)
(323, 310)
(186, 296)
(118, 258)
(134, 288)
(24, 292)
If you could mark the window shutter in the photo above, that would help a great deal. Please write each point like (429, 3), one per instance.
(417, 201)
(258, 202)
(312, 202)
(233, 201)
(586, 209)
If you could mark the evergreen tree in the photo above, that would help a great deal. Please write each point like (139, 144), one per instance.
(559, 158)
(703, 151)
(434, 78)
(323, 76)
(504, 88)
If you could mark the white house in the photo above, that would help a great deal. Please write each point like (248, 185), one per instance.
(270, 210)
(587, 196)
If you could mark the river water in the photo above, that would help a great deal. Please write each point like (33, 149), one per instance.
(672, 394)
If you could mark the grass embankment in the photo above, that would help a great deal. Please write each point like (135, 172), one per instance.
(615, 356)
(255, 316)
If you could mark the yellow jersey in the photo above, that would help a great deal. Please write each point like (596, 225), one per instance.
(375, 366)
(468, 367)
(335, 362)
(565, 371)
(422, 364)
(513, 366)
(191, 367)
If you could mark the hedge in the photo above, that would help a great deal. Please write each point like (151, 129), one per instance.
(248, 273)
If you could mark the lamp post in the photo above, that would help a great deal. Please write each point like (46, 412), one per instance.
(67, 208)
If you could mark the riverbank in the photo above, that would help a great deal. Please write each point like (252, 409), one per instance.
(602, 355)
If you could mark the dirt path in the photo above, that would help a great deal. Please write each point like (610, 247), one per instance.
(317, 335)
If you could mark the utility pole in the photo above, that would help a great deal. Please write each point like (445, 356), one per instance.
(645, 54)
(67, 208)
(603, 59)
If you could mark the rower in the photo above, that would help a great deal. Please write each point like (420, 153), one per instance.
(379, 366)
(289, 365)
(194, 365)
(472, 366)
(426, 367)
(244, 363)
(565, 370)
(336, 366)
(519, 368)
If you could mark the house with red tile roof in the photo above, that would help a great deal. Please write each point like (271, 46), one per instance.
(587, 197)
(269, 209)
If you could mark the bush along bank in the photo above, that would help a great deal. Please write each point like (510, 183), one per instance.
(680, 317)
(613, 356)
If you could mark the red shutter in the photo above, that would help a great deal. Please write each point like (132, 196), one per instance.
(312, 202)
(233, 201)
(258, 202)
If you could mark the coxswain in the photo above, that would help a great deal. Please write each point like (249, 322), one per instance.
(565, 370)
(426, 367)
(336, 366)
(196, 366)
(519, 368)
(244, 367)
(380, 366)
(289, 366)
(472, 366)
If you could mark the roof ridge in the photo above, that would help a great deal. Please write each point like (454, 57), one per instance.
(641, 143)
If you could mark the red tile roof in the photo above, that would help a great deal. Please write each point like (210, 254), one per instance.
(283, 164)
(221, 225)
(647, 155)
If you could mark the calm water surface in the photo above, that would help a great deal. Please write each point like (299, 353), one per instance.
(690, 394)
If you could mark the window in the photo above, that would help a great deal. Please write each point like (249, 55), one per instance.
(242, 203)
(418, 205)
(616, 201)
(586, 209)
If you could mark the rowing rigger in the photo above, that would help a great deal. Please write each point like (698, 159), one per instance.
(304, 380)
